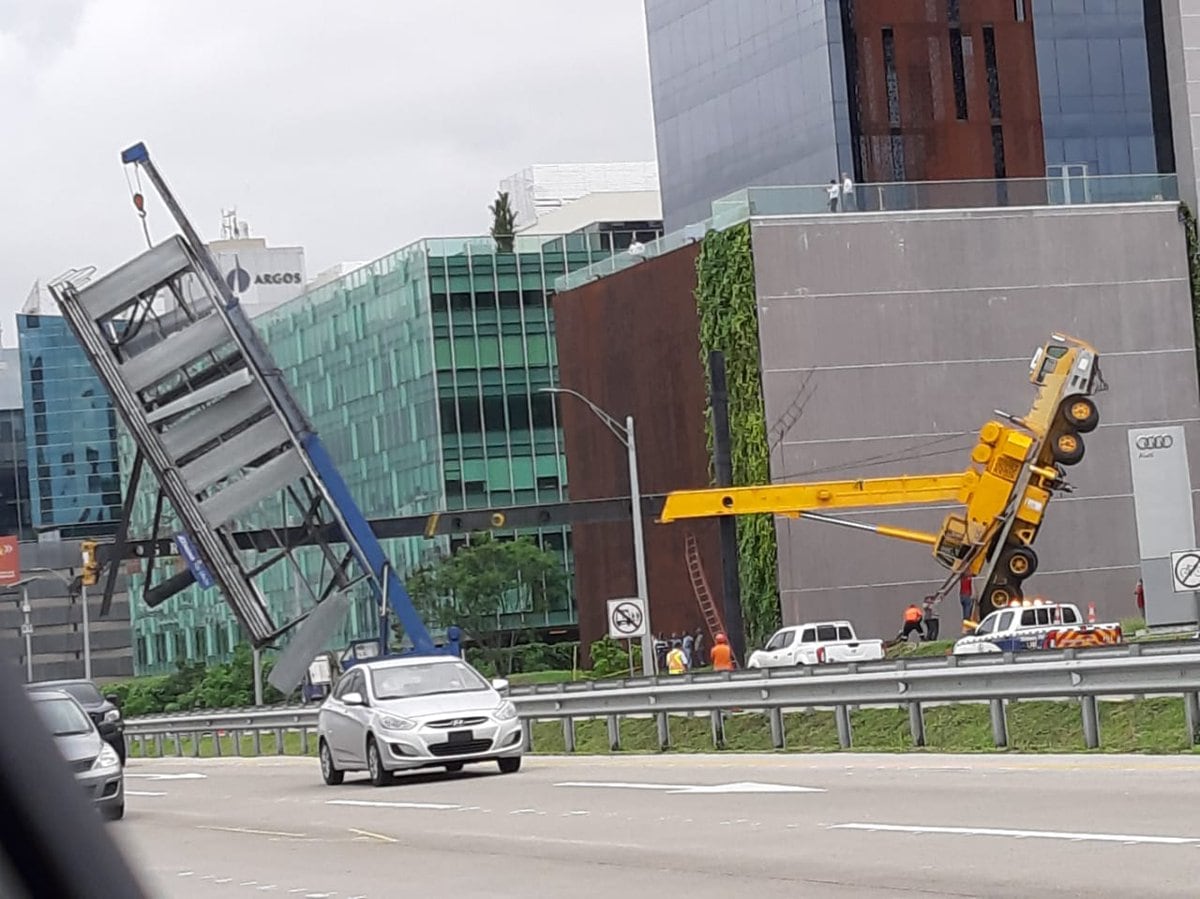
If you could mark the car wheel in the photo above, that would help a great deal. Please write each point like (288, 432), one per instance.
(380, 776)
(332, 776)
(114, 812)
(454, 767)
(509, 765)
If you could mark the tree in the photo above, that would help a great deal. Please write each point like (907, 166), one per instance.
(504, 222)
(481, 584)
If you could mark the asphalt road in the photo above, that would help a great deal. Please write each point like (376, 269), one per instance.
(671, 826)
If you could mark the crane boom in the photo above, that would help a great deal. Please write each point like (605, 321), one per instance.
(795, 499)
(1014, 470)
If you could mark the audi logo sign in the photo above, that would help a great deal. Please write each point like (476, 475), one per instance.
(1155, 442)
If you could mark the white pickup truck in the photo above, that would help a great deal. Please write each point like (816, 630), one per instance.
(816, 644)
(1036, 624)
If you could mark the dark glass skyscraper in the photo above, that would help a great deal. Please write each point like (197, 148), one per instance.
(775, 92)
(70, 432)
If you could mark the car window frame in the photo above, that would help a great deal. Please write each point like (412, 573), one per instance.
(69, 700)
(484, 684)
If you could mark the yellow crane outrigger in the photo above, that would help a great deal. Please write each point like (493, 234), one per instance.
(1015, 468)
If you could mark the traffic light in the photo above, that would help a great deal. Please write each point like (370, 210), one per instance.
(91, 563)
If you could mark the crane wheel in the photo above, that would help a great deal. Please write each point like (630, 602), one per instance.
(1080, 413)
(997, 598)
(1067, 448)
(1019, 562)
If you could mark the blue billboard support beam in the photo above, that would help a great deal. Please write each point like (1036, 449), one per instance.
(368, 550)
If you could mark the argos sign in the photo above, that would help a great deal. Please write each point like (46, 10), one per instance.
(262, 277)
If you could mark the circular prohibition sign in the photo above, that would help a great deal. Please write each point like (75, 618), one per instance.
(627, 618)
(1187, 570)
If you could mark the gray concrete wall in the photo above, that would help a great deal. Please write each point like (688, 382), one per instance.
(57, 642)
(1181, 35)
(905, 331)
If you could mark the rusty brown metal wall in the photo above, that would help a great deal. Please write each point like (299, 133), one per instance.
(937, 145)
(630, 342)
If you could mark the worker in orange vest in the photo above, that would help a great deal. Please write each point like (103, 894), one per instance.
(722, 654)
(912, 622)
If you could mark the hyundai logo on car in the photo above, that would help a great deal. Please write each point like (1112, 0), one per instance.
(1155, 441)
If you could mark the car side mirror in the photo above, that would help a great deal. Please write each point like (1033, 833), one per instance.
(354, 699)
(114, 699)
(500, 685)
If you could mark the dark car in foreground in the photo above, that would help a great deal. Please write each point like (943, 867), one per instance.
(101, 709)
(95, 763)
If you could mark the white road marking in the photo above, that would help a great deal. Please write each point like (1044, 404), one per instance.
(740, 787)
(186, 873)
(370, 803)
(188, 776)
(261, 833)
(374, 836)
(142, 793)
(1131, 839)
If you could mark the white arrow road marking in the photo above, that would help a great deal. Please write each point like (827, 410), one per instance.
(370, 803)
(741, 787)
(1023, 834)
(188, 776)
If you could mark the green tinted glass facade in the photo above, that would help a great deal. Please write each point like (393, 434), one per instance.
(421, 373)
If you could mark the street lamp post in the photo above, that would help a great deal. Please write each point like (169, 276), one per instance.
(626, 436)
(83, 598)
(26, 626)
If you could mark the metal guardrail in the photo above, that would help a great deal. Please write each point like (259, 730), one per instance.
(1086, 676)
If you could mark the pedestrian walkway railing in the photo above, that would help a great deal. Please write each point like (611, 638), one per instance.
(891, 197)
(1084, 677)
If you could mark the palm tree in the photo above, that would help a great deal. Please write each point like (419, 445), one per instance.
(504, 221)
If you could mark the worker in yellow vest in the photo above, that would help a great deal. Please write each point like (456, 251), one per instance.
(676, 661)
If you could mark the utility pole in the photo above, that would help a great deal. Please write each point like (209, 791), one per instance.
(625, 435)
(258, 687)
(27, 633)
(87, 634)
(639, 547)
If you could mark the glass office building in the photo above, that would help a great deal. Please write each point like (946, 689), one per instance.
(70, 433)
(421, 372)
(778, 92)
(14, 463)
(1102, 78)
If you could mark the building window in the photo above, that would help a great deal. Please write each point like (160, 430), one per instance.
(998, 151)
(993, 73)
(958, 73)
(892, 80)
(1020, 9)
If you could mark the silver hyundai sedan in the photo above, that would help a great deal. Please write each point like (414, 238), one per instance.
(416, 712)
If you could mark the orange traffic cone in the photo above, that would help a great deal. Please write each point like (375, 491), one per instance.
(1091, 613)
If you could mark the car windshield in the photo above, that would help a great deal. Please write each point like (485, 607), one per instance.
(403, 681)
(63, 717)
(85, 692)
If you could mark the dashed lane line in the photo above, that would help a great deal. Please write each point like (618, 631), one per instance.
(1128, 839)
(371, 803)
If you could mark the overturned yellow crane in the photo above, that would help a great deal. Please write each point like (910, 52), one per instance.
(1016, 467)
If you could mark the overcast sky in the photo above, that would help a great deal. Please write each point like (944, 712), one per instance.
(350, 128)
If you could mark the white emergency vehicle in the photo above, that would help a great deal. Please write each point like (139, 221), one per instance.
(1035, 624)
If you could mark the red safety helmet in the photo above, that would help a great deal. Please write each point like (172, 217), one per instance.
(721, 638)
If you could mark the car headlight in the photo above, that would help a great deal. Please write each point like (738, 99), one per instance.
(112, 715)
(506, 712)
(395, 722)
(107, 758)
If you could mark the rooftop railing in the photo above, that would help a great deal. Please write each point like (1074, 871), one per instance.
(891, 197)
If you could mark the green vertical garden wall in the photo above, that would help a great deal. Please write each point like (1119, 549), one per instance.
(728, 310)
